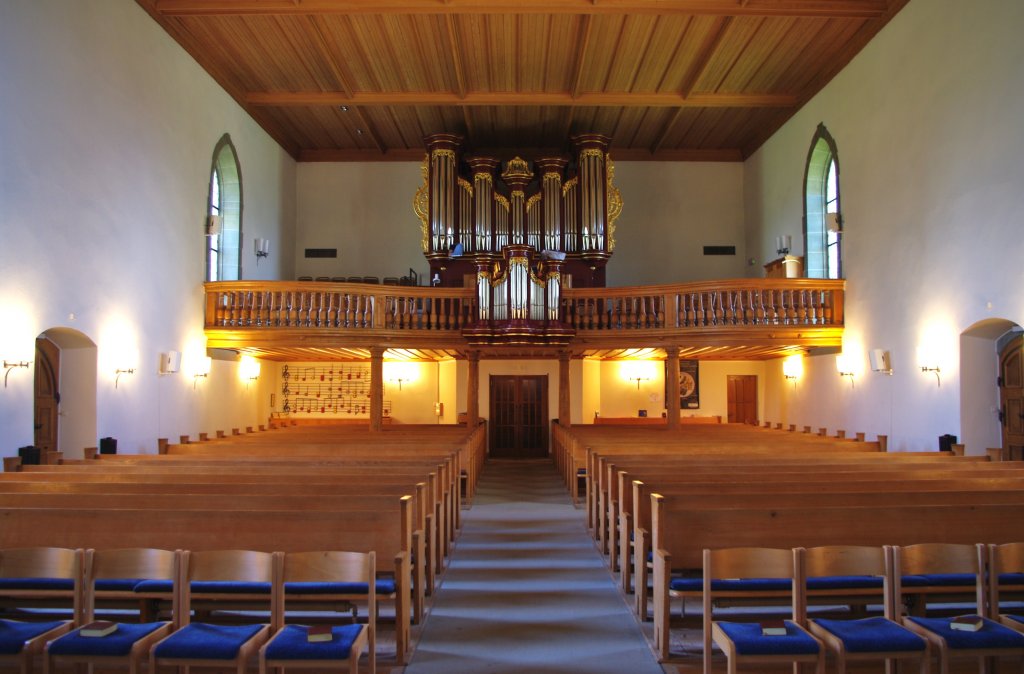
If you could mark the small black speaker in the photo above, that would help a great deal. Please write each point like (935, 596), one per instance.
(29, 455)
(108, 445)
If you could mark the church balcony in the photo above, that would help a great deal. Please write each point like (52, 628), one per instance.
(729, 319)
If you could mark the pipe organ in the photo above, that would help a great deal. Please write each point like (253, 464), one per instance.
(470, 212)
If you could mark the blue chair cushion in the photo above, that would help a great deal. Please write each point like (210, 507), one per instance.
(749, 641)
(991, 634)
(37, 584)
(291, 644)
(870, 635)
(383, 586)
(116, 584)
(1011, 579)
(118, 642)
(14, 634)
(206, 587)
(939, 580)
(844, 582)
(731, 584)
(203, 641)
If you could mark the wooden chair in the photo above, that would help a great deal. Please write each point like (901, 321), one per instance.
(225, 573)
(339, 576)
(1006, 577)
(130, 643)
(736, 569)
(931, 559)
(861, 572)
(28, 576)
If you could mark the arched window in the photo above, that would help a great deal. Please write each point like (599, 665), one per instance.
(224, 207)
(822, 215)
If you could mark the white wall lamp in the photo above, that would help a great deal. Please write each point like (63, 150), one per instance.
(205, 365)
(120, 371)
(792, 368)
(880, 361)
(844, 367)
(10, 365)
(261, 248)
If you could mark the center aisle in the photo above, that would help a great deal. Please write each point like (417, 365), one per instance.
(526, 590)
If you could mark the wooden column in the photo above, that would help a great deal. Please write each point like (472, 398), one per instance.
(473, 390)
(564, 401)
(376, 388)
(672, 386)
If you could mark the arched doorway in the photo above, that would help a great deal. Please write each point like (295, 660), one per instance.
(64, 412)
(986, 350)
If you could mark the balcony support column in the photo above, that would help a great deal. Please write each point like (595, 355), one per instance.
(672, 387)
(376, 388)
(473, 390)
(564, 401)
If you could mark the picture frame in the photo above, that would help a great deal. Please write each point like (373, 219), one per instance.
(689, 384)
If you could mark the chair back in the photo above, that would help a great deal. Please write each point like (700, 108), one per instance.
(928, 559)
(232, 567)
(44, 563)
(131, 563)
(1005, 559)
(852, 560)
(356, 568)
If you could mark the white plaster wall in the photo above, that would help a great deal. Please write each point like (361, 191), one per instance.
(671, 211)
(927, 120)
(365, 211)
(107, 131)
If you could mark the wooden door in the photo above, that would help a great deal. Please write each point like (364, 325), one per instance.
(47, 396)
(519, 416)
(742, 398)
(1011, 398)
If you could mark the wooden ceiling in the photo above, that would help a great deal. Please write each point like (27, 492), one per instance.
(366, 80)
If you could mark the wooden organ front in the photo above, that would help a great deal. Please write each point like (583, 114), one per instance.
(562, 207)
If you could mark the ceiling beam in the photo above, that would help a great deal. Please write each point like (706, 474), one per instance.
(866, 9)
(594, 100)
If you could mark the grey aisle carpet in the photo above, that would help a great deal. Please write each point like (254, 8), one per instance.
(526, 590)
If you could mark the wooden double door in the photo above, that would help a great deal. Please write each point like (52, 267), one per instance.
(519, 416)
(1011, 398)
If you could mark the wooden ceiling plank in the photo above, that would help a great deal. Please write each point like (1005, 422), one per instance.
(455, 52)
(581, 56)
(509, 98)
(820, 8)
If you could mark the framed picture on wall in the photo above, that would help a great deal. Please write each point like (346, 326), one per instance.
(689, 384)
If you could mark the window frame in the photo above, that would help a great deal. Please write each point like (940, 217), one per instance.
(223, 251)
(822, 161)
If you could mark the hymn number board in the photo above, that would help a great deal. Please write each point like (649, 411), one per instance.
(330, 388)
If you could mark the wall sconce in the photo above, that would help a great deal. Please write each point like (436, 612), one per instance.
(262, 248)
(10, 365)
(792, 368)
(638, 380)
(880, 361)
(844, 367)
(205, 364)
(935, 369)
(399, 380)
(120, 371)
(248, 369)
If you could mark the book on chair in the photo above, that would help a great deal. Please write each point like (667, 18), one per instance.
(773, 628)
(98, 628)
(319, 633)
(967, 623)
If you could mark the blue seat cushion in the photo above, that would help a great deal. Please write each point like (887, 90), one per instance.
(206, 587)
(117, 584)
(731, 584)
(118, 642)
(939, 580)
(37, 584)
(14, 634)
(291, 644)
(844, 582)
(383, 586)
(203, 641)
(991, 634)
(749, 641)
(1011, 579)
(869, 635)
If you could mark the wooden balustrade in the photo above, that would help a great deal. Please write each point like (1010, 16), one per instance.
(797, 312)
(708, 304)
(336, 306)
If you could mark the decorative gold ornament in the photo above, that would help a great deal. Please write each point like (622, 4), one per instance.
(484, 176)
(503, 202)
(466, 187)
(592, 152)
(517, 168)
(553, 175)
(421, 205)
(570, 185)
(614, 203)
(443, 154)
(535, 199)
